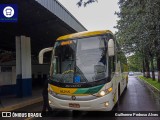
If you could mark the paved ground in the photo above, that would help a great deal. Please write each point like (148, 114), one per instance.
(137, 97)
(10, 103)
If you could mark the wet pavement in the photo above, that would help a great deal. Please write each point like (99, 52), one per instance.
(137, 97)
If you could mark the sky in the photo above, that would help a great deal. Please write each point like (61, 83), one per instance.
(96, 16)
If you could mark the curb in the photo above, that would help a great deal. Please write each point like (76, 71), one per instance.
(150, 86)
(22, 104)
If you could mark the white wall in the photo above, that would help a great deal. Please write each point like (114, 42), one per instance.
(8, 78)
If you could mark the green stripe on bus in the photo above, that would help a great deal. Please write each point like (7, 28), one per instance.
(81, 90)
(90, 90)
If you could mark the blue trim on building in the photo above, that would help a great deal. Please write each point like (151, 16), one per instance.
(8, 90)
(24, 87)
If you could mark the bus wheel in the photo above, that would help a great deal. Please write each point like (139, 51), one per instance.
(126, 85)
(118, 93)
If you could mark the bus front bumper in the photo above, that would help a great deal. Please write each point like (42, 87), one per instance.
(104, 103)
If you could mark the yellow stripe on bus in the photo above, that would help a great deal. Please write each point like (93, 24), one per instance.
(84, 34)
(60, 90)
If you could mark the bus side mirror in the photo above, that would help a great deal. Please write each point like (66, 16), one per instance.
(41, 54)
(111, 47)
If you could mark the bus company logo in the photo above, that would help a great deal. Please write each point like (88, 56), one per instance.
(73, 97)
(65, 91)
(8, 13)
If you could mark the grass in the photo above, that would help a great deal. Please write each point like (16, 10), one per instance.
(155, 83)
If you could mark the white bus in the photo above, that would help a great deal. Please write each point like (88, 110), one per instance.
(86, 73)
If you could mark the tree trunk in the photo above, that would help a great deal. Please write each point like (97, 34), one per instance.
(147, 68)
(157, 46)
(152, 69)
(144, 75)
(157, 49)
(158, 67)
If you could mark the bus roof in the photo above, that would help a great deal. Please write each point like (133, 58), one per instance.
(84, 34)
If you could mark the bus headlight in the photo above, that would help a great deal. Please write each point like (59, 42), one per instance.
(102, 93)
(106, 104)
(105, 92)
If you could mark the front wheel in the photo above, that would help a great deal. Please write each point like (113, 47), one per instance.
(126, 85)
(119, 93)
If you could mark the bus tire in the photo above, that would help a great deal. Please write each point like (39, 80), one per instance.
(119, 92)
(126, 83)
(126, 87)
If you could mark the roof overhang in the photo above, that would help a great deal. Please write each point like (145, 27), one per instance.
(34, 21)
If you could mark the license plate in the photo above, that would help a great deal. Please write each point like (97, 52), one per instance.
(74, 105)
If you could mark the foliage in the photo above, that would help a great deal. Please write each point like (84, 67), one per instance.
(135, 62)
(139, 29)
(85, 3)
(150, 81)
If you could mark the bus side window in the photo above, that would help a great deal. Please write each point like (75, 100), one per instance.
(111, 66)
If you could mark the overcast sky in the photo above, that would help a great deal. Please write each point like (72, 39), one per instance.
(96, 16)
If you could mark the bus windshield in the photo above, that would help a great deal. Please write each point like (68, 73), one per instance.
(80, 61)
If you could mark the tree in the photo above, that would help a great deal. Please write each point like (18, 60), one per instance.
(139, 30)
(135, 62)
(84, 3)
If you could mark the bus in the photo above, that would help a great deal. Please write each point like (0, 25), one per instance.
(88, 71)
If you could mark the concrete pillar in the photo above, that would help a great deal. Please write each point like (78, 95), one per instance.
(23, 66)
